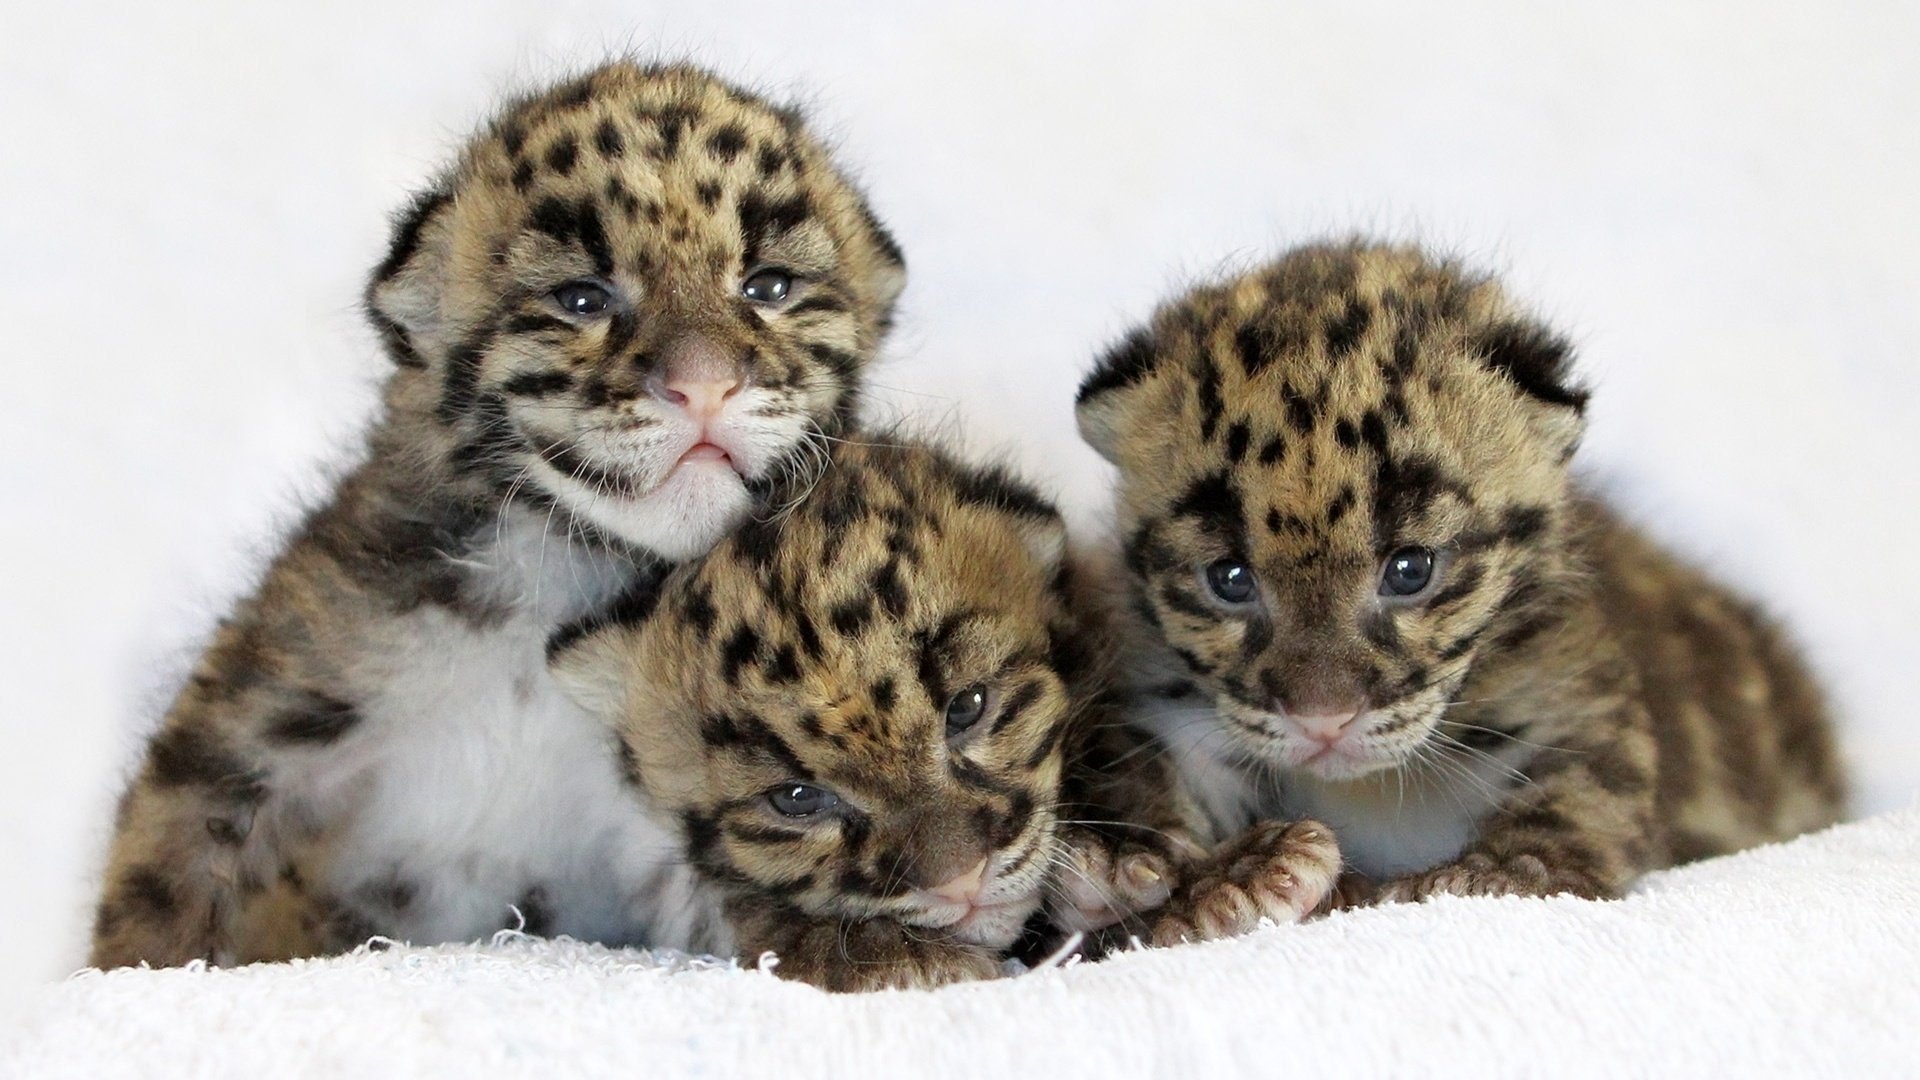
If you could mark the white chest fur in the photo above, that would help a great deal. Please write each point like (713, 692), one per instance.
(474, 787)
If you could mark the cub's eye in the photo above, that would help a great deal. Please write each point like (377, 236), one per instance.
(1408, 570)
(802, 800)
(965, 709)
(1231, 580)
(767, 286)
(582, 298)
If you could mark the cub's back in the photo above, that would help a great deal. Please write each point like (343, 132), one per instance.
(1747, 754)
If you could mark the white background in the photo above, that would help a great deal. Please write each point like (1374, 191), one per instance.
(1717, 199)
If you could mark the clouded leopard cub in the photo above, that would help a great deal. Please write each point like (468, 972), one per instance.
(1361, 588)
(634, 302)
(869, 720)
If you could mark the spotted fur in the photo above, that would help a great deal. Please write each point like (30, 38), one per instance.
(1560, 708)
(371, 743)
(823, 648)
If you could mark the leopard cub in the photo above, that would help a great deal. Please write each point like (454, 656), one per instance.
(858, 718)
(1360, 586)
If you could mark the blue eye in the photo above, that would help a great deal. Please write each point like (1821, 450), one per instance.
(1231, 580)
(582, 298)
(965, 709)
(1408, 571)
(767, 287)
(802, 800)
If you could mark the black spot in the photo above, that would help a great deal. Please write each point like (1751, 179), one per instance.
(751, 735)
(1272, 451)
(890, 590)
(674, 120)
(884, 695)
(460, 385)
(1211, 407)
(741, 648)
(593, 238)
(1344, 333)
(1523, 524)
(513, 137)
(1401, 488)
(607, 139)
(523, 177)
(1122, 365)
(1536, 359)
(318, 720)
(187, 753)
(848, 618)
(771, 159)
(1373, 432)
(784, 666)
(1342, 502)
(1252, 352)
(727, 143)
(762, 218)
(1299, 410)
(1237, 437)
(1213, 498)
(537, 384)
(147, 891)
(534, 322)
(699, 611)
(562, 155)
(708, 192)
(1346, 434)
(554, 218)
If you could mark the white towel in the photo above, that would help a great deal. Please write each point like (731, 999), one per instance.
(1794, 959)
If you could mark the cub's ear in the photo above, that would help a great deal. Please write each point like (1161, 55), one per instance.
(1124, 398)
(404, 297)
(1539, 364)
(597, 659)
(1035, 520)
(890, 267)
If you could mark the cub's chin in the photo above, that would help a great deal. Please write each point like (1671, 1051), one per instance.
(700, 501)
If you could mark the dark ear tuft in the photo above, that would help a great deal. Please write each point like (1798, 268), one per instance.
(1537, 360)
(406, 232)
(403, 298)
(1124, 364)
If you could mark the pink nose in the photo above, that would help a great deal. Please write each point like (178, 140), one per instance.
(702, 395)
(965, 888)
(1323, 726)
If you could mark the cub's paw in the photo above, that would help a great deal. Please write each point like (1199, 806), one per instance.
(1479, 874)
(1275, 870)
(1102, 881)
(878, 954)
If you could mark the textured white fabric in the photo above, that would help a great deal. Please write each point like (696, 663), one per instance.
(1793, 959)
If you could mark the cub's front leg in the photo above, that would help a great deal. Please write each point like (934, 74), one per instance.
(1276, 870)
(1130, 835)
(850, 955)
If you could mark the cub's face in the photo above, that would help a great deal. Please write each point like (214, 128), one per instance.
(855, 709)
(1342, 478)
(637, 297)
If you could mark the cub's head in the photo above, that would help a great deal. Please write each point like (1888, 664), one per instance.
(857, 708)
(634, 297)
(1342, 479)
